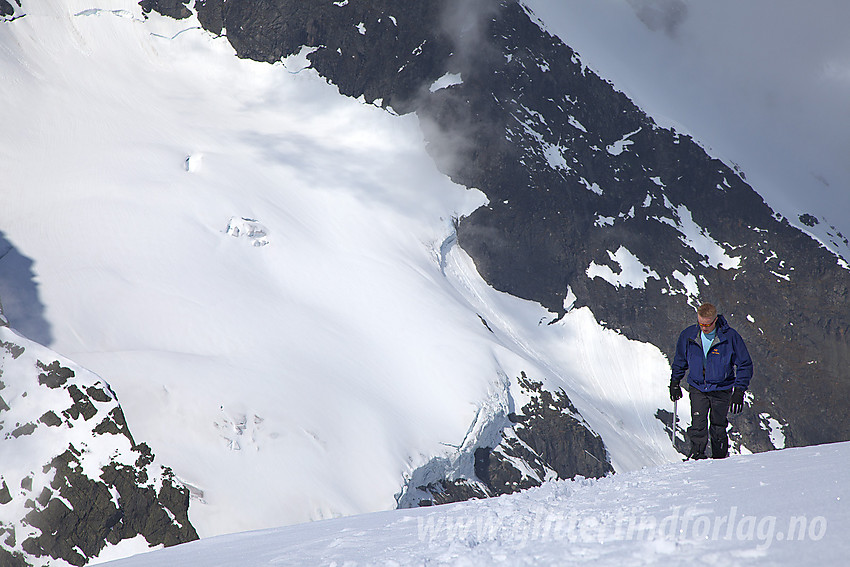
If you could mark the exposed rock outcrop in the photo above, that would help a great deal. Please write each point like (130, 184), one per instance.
(72, 479)
(508, 450)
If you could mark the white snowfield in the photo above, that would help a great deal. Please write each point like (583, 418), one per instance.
(265, 274)
(783, 508)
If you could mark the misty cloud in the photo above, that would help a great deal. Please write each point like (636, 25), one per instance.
(661, 15)
(465, 22)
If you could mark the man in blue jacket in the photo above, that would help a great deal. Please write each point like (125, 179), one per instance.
(719, 372)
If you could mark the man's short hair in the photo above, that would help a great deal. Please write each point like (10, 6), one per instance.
(707, 311)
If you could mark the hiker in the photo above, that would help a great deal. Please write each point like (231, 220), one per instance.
(720, 369)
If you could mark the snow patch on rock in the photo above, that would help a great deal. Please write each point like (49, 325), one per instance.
(632, 271)
(446, 81)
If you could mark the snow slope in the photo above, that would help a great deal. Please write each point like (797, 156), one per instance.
(747, 510)
(265, 272)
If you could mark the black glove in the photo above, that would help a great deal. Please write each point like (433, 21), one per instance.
(675, 391)
(737, 403)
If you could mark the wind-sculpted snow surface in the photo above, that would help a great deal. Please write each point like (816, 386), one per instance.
(699, 513)
(72, 479)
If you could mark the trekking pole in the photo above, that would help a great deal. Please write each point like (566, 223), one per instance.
(673, 429)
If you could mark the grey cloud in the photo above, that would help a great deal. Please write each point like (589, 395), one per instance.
(663, 15)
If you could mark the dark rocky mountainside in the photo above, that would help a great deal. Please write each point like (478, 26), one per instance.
(72, 479)
(585, 191)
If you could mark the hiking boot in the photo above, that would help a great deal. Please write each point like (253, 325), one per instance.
(719, 449)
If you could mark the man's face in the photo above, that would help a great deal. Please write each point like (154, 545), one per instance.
(707, 324)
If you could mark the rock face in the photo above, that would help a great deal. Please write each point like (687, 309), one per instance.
(72, 479)
(585, 191)
(506, 451)
(7, 9)
(176, 9)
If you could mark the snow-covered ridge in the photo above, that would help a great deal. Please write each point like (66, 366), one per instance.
(72, 481)
(720, 512)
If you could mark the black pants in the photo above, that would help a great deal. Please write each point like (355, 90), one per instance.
(709, 407)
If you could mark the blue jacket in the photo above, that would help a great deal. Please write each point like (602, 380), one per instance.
(727, 366)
